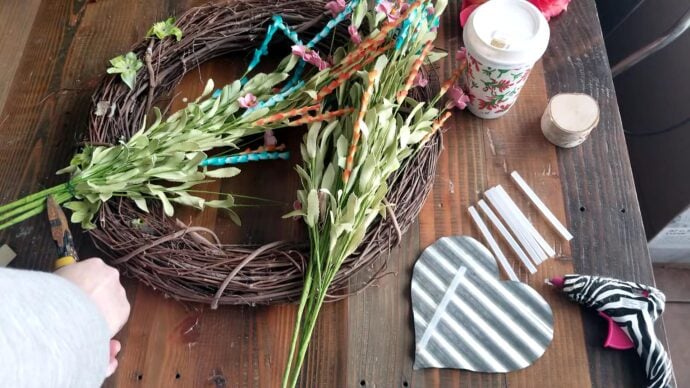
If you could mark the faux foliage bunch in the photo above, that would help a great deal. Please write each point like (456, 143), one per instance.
(348, 161)
(161, 161)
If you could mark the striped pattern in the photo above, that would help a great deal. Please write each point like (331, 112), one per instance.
(634, 307)
(326, 116)
(344, 76)
(414, 71)
(466, 318)
(453, 78)
(357, 127)
(284, 115)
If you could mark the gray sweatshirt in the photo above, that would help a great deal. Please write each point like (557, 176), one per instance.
(51, 334)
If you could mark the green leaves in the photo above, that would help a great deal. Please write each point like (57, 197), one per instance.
(227, 172)
(359, 13)
(435, 56)
(312, 208)
(164, 29)
(127, 66)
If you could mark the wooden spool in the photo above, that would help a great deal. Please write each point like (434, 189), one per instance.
(569, 118)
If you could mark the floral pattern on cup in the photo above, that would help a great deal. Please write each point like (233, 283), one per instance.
(492, 90)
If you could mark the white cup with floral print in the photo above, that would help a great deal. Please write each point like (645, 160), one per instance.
(504, 38)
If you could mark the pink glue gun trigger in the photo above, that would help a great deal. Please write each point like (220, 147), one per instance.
(616, 338)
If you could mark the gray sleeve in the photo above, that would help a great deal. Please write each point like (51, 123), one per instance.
(51, 334)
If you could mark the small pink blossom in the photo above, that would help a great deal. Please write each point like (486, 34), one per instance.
(296, 205)
(335, 7)
(551, 8)
(457, 98)
(430, 10)
(269, 139)
(247, 101)
(468, 6)
(299, 50)
(310, 56)
(354, 34)
(388, 8)
(461, 54)
(420, 80)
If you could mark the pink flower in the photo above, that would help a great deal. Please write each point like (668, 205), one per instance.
(247, 101)
(310, 56)
(389, 9)
(299, 50)
(354, 34)
(296, 205)
(466, 9)
(420, 80)
(461, 54)
(430, 10)
(551, 8)
(269, 139)
(335, 7)
(457, 98)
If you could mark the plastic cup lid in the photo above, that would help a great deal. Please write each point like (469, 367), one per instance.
(507, 32)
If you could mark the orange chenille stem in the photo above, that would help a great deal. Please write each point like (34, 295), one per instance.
(415, 69)
(320, 117)
(328, 89)
(438, 123)
(366, 97)
(453, 78)
(372, 42)
(284, 115)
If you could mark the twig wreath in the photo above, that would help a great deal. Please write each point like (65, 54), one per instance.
(368, 156)
(189, 263)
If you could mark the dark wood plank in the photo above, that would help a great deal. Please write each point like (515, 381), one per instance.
(477, 155)
(15, 15)
(38, 134)
(599, 191)
(368, 338)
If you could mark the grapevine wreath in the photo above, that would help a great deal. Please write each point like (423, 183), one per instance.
(188, 262)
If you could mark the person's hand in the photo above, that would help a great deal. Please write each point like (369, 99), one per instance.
(102, 284)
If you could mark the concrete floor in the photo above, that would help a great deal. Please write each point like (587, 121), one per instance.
(674, 281)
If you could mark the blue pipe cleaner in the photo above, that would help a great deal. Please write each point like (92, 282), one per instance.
(244, 158)
(276, 98)
(318, 38)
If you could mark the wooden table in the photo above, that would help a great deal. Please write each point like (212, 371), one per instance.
(53, 54)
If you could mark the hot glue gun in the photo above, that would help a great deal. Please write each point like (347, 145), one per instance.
(631, 310)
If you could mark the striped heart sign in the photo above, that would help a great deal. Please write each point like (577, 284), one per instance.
(465, 317)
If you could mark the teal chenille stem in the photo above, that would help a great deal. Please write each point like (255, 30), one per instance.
(245, 158)
(316, 39)
(278, 24)
(276, 98)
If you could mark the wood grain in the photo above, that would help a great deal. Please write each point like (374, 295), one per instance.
(15, 15)
(598, 186)
(62, 49)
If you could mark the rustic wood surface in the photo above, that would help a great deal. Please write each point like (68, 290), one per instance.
(53, 53)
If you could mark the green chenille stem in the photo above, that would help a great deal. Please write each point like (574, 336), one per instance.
(33, 197)
(38, 207)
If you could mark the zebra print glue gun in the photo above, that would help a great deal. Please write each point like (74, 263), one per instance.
(631, 310)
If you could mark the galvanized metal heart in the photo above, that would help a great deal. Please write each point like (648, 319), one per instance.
(465, 317)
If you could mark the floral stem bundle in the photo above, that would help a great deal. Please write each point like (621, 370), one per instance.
(348, 161)
(163, 161)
